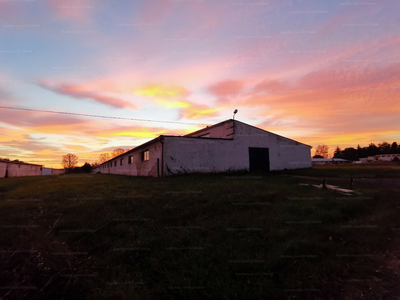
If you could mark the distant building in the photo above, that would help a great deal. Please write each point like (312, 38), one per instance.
(58, 171)
(324, 161)
(50, 171)
(380, 157)
(47, 171)
(18, 169)
(387, 157)
(227, 146)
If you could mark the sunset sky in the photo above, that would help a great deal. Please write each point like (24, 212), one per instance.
(319, 72)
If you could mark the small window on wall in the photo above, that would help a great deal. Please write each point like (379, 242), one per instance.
(130, 160)
(145, 155)
(115, 163)
(120, 161)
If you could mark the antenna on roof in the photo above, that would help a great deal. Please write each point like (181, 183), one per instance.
(234, 113)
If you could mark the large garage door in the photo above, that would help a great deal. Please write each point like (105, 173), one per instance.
(259, 159)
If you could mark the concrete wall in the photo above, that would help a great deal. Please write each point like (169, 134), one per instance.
(138, 167)
(57, 171)
(3, 168)
(186, 154)
(284, 153)
(47, 171)
(50, 171)
(200, 155)
(19, 170)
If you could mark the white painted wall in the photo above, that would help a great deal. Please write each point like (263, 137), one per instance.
(47, 171)
(138, 167)
(202, 155)
(3, 168)
(19, 170)
(57, 171)
(188, 154)
(284, 153)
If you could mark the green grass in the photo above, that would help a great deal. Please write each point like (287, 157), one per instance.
(252, 236)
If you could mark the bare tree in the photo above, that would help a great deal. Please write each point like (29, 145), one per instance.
(104, 157)
(322, 150)
(69, 161)
(117, 152)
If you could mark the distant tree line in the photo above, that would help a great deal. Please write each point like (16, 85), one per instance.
(69, 161)
(362, 152)
(107, 156)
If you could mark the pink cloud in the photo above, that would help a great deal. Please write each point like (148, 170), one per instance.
(270, 85)
(350, 14)
(6, 9)
(155, 11)
(344, 77)
(336, 100)
(33, 119)
(82, 92)
(225, 88)
(75, 11)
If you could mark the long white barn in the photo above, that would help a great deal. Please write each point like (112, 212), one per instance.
(227, 146)
(20, 169)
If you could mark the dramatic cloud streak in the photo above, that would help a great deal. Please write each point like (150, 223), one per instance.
(81, 92)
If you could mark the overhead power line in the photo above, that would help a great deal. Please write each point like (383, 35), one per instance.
(99, 116)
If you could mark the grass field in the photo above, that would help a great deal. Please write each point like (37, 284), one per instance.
(371, 170)
(251, 236)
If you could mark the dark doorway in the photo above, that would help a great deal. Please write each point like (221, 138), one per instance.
(259, 159)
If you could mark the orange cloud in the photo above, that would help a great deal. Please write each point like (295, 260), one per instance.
(175, 97)
(197, 111)
(155, 90)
